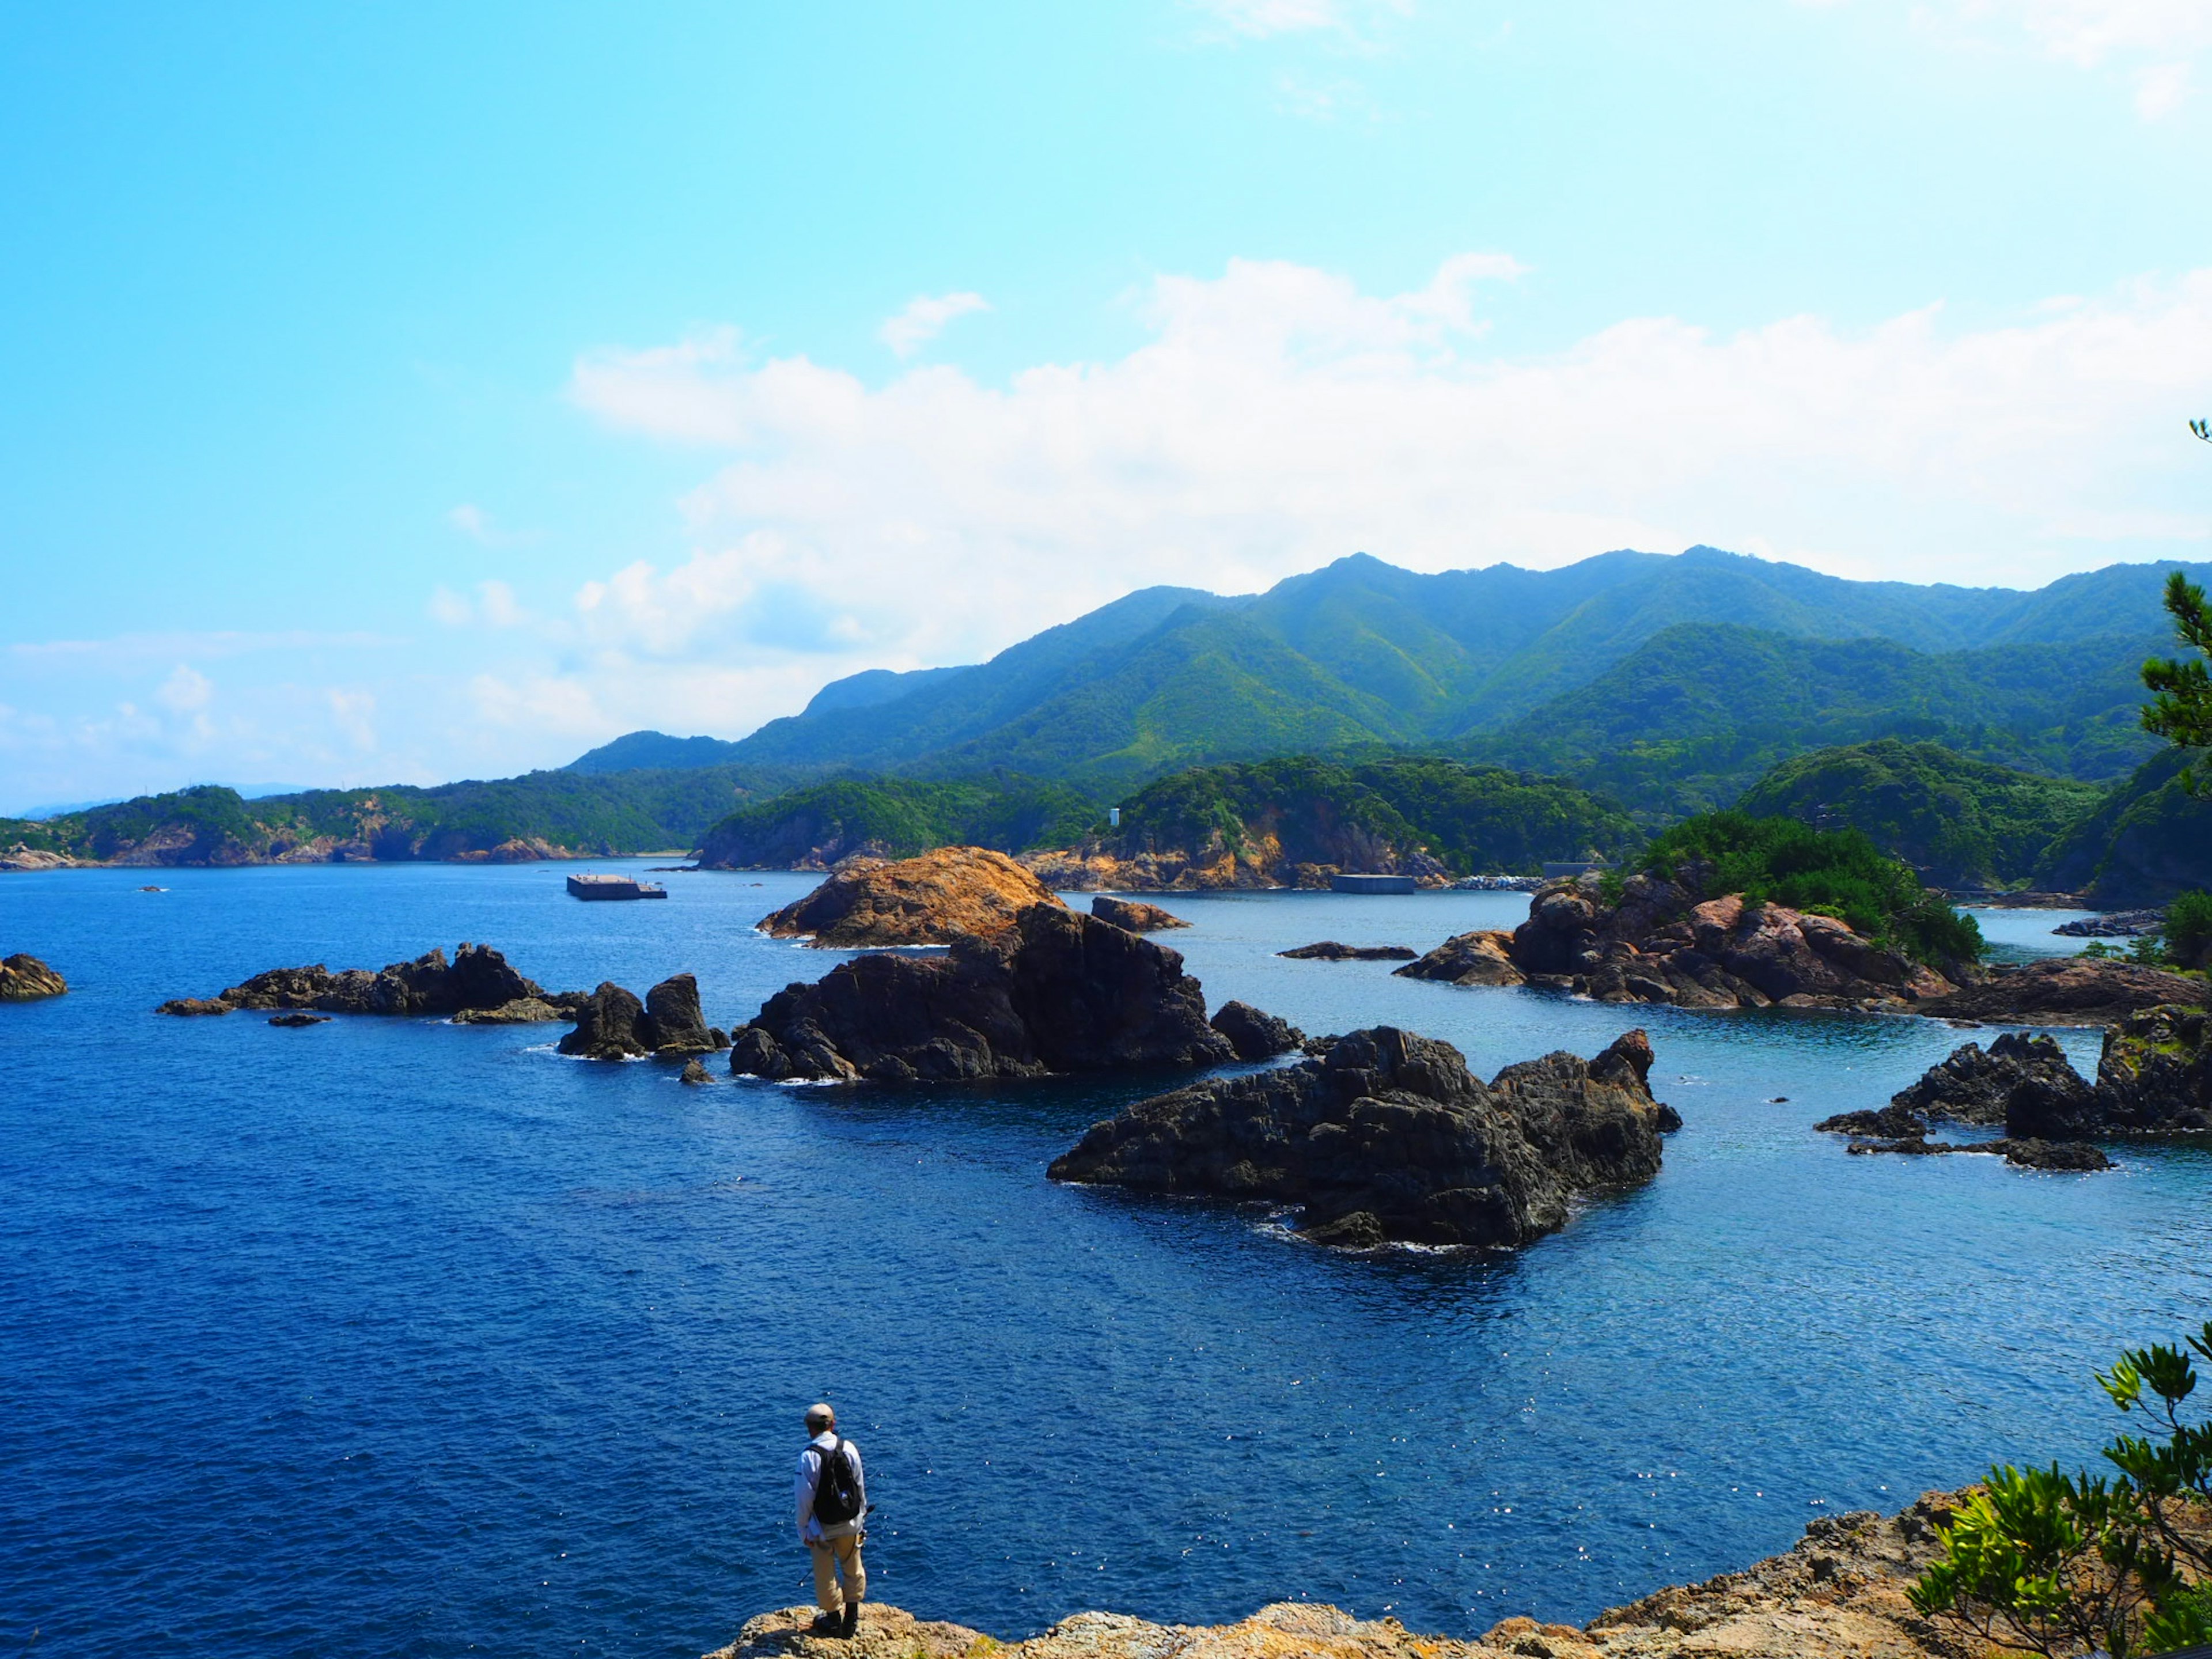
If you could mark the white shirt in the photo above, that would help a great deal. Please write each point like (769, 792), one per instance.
(810, 1476)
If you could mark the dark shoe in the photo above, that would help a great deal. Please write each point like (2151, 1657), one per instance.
(828, 1624)
(852, 1619)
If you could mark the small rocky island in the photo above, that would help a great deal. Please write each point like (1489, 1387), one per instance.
(26, 979)
(1382, 1136)
(1330, 949)
(1134, 915)
(1056, 992)
(955, 892)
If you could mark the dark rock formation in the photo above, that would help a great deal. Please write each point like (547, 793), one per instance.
(954, 892)
(1385, 1135)
(694, 1074)
(2155, 1074)
(1892, 1122)
(523, 1010)
(1254, 1034)
(1977, 1086)
(1134, 915)
(677, 1026)
(1329, 950)
(610, 1026)
(2114, 924)
(2067, 991)
(1059, 992)
(298, 1019)
(2025, 1154)
(26, 979)
(1481, 957)
(478, 978)
(1663, 943)
(192, 1007)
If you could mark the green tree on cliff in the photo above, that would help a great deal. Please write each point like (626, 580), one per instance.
(2180, 708)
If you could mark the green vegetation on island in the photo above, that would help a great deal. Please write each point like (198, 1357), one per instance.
(1960, 821)
(1357, 814)
(1829, 873)
(819, 823)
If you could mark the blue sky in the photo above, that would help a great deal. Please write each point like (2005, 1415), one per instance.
(403, 393)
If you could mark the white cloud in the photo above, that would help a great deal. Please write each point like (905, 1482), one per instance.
(924, 317)
(186, 692)
(1259, 18)
(2156, 42)
(1278, 417)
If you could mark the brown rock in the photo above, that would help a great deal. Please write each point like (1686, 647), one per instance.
(2069, 991)
(955, 892)
(677, 1026)
(26, 979)
(696, 1074)
(523, 1010)
(1329, 950)
(191, 1007)
(1134, 915)
(1481, 957)
(298, 1019)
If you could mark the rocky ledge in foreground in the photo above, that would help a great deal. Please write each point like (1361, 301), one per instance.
(955, 892)
(2154, 1078)
(26, 979)
(1386, 1136)
(1057, 992)
(2067, 991)
(1134, 915)
(1667, 943)
(1839, 1594)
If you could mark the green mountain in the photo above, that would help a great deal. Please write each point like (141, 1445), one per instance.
(2149, 840)
(1959, 822)
(1363, 653)
(814, 826)
(1699, 713)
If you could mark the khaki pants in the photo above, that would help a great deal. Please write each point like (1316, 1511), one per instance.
(833, 1556)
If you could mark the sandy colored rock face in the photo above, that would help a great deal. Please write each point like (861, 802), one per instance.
(955, 892)
(26, 979)
(1133, 915)
(1482, 958)
(2069, 991)
(1838, 1594)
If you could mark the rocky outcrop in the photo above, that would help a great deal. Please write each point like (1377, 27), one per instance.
(679, 1029)
(955, 892)
(1663, 943)
(1482, 958)
(2067, 991)
(1384, 1135)
(1329, 950)
(21, 860)
(1255, 1034)
(610, 1026)
(696, 1074)
(2114, 924)
(2154, 1078)
(2065, 1155)
(1257, 860)
(1057, 992)
(26, 979)
(478, 977)
(1839, 1594)
(297, 1020)
(523, 1010)
(1134, 915)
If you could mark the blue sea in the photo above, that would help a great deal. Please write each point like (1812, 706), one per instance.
(402, 1337)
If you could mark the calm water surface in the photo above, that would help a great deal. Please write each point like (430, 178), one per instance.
(404, 1338)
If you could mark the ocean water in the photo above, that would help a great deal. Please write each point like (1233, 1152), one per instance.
(400, 1338)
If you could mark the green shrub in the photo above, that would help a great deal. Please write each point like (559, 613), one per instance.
(2188, 930)
(1830, 872)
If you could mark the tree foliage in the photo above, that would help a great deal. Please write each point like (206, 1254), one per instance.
(2180, 707)
(2047, 1562)
(1830, 872)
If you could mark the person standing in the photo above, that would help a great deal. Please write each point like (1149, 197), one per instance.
(833, 1519)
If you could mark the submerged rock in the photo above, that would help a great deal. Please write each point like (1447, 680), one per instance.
(955, 892)
(26, 979)
(1329, 950)
(1134, 915)
(1255, 1034)
(2068, 990)
(1058, 991)
(1384, 1135)
(1482, 958)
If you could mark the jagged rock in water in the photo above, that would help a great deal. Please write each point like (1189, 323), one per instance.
(952, 893)
(1895, 1121)
(1662, 943)
(1255, 1034)
(2067, 991)
(1133, 915)
(2025, 1154)
(523, 1010)
(1384, 1135)
(1972, 1085)
(1329, 950)
(694, 1074)
(2156, 1073)
(610, 1026)
(478, 977)
(193, 1008)
(298, 1019)
(679, 1028)
(1481, 957)
(24, 978)
(1058, 991)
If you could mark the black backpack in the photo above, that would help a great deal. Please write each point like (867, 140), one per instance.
(836, 1488)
